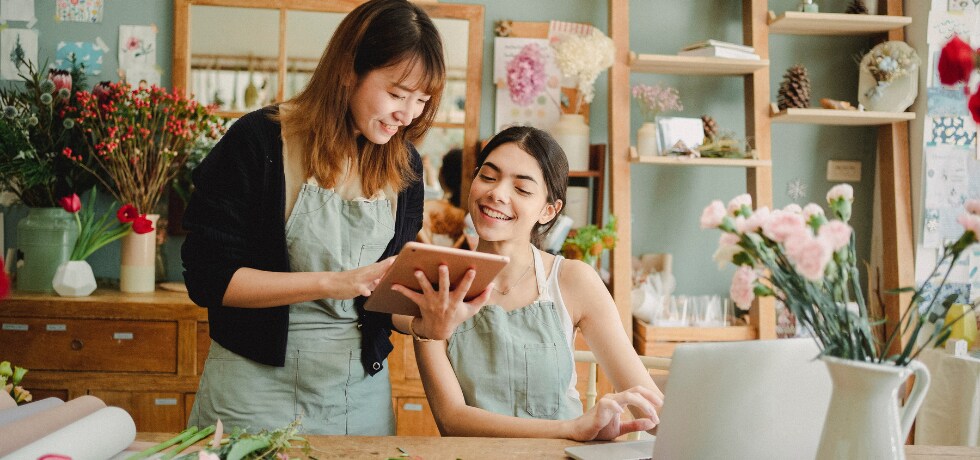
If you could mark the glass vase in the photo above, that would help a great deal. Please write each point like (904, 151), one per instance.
(45, 238)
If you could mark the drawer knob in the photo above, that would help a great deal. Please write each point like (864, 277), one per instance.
(76, 344)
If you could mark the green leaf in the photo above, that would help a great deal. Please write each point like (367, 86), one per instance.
(246, 446)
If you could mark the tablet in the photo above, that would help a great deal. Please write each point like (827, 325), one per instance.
(427, 257)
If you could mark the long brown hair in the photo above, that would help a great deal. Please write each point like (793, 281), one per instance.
(550, 157)
(375, 35)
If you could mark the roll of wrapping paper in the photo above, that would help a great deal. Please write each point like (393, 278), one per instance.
(6, 401)
(20, 412)
(98, 436)
(41, 424)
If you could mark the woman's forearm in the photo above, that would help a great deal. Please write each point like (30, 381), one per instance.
(251, 288)
(472, 421)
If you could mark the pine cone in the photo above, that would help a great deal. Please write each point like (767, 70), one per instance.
(503, 27)
(856, 7)
(710, 126)
(794, 91)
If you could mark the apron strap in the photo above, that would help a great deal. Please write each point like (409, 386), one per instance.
(539, 274)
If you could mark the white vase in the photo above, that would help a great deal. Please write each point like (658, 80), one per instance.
(138, 260)
(74, 278)
(864, 419)
(647, 140)
(572, 135)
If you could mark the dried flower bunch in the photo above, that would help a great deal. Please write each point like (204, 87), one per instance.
(39, 138)
(140, 138)
(583, 58)
(957, 61)
(95, 232)
(807, 260)
(889, 61)
(526, 75)
(656, 99)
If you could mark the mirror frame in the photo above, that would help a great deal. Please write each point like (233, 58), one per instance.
(474, 14)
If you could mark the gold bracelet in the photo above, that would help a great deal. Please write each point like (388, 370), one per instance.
(411, 330)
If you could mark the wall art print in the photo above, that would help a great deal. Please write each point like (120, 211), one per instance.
(89, 54)
(528, 83)
(137, 46)
(79, 10)
(16, 46)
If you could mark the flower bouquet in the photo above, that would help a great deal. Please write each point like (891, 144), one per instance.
(40, 142)
(888, 62)
(583, 58)
(140, 138)
(656, 99)
(807, 260)
(10, 382)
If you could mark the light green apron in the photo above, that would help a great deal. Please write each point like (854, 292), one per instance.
(323, 380)
(518, 362)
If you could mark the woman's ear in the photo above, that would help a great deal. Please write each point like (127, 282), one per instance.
(549, 212)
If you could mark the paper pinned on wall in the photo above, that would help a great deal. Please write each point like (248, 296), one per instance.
(137, 76)
(90, 54)
(527, 65)
(79, 10)
(137, 47)
(18, 10)
(16, 46)
(943, 25)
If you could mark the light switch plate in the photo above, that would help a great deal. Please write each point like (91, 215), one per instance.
(843, 171)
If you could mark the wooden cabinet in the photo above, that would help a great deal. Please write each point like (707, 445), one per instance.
(412, 414)
(141, 352)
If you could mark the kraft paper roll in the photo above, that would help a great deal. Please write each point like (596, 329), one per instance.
(6, 401)
(98, 436)
(16, 413)
(37, 426)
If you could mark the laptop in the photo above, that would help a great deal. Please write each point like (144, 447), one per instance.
(732, 400)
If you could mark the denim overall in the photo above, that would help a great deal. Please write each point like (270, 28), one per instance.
(323, 380)
(517, 362)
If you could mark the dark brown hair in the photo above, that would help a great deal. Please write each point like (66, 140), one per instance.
(375, 35)
(550, 157)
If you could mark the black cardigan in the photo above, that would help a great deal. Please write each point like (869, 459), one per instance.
(236, 218)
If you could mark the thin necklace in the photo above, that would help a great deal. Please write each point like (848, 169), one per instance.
(526, 271)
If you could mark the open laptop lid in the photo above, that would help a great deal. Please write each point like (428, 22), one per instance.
(757, 399)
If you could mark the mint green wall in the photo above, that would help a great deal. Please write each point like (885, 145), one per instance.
(666, 201)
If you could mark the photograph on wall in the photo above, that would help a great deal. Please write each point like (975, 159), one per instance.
(88, 54)
(17, 10)
(527, 81)
(17, 46)
(79, 10)
(137, 46)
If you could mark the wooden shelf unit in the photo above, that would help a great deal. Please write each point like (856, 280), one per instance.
(623, 157)
(797, 23)
(660, 341)
(840, 117)
(694, 65)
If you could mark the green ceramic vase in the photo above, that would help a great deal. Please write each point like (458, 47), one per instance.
(45, 238)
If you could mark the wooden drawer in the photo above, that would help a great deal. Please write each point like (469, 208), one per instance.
(414, 418)
(152, 412)
(56, 344)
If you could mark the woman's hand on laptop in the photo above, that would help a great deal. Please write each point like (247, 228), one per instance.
(603, 421)
(444, 309)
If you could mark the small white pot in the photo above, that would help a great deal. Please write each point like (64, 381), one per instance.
(74, 279)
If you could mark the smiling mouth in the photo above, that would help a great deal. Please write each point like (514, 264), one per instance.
(392, 129)
(494, 214)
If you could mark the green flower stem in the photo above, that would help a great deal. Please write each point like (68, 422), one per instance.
(203, 433)
(165, 444)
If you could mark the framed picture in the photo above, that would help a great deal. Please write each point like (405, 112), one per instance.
(679, 134)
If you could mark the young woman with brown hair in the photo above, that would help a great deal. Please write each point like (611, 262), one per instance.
(293, 220)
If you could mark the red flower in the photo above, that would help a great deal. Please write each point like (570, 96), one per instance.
(956, 62)
(60, 78)
(127, 213)
(71, 203)
(4, 281)
(142, 225)
(974, 105)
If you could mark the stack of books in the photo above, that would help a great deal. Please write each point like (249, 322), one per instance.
(717, 48)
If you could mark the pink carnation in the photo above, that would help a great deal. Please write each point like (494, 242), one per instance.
(782, 224)
(972, 207)
(793, 208)
(835, 233)
(971, 223)
(727, 248)
(811, 257)
(811, 210)
(756, 221)
(526, 76)
(838, 191)
(712, 215)
(736, 203)
(743, 287)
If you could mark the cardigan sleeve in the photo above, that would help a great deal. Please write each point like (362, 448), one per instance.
(223, 215)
